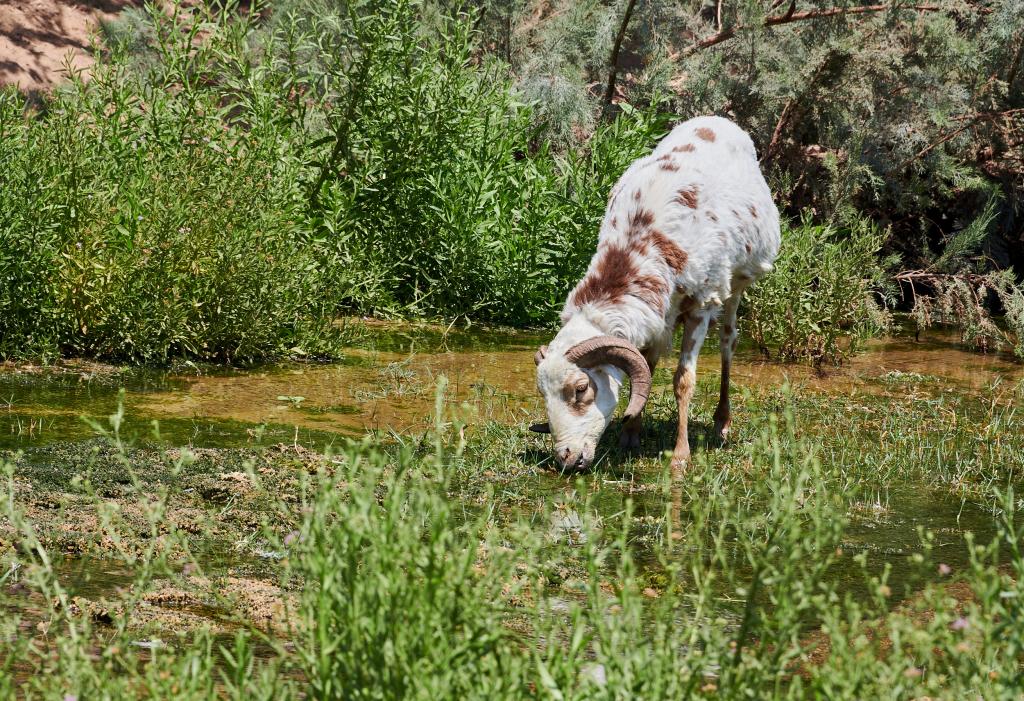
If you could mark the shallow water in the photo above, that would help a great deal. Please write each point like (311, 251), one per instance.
(388, 383)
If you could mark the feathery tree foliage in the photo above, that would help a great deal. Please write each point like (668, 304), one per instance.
(912, 114)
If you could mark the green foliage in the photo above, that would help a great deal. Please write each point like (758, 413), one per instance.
(394, 605)
(141, 221)
(820, 301)
(412, 577)
(228, 183)
(430, 181)
(224, 191)
(885, 110)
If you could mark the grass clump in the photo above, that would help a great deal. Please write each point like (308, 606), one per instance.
(821, 301)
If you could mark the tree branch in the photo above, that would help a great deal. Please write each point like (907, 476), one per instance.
(613, 60)
(971, 120)
(1015, 64)
(794, 103)
(792, 16)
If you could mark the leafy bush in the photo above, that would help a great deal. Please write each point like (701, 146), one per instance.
(821, 299)
(139, 221)
(229, 189)
(430, 180)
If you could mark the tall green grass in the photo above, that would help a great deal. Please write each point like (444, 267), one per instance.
(411, 578)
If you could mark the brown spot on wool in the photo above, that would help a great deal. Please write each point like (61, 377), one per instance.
(651, 290)
(615, 222)
(753, 211)
(610, 278)
(670, 252)
(639, 219)
(636, 196)
(685, 148)
(670, 166)
(616, 275)
(688, 196)
(705, 134)
(749, 249)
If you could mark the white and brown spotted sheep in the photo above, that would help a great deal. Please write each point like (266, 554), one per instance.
(687, 230)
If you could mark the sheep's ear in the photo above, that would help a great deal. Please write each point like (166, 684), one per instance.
(541, 353)
(541, 428)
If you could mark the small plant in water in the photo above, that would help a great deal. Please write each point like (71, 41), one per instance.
(821, 301)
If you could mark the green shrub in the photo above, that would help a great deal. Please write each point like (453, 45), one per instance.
(430, 180)
(229, 190)
(140, 221)
(821, 299)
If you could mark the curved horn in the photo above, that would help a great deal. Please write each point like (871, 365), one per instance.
(541, 353)
(609, 350)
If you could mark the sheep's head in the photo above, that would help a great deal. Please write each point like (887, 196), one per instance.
(581, 393)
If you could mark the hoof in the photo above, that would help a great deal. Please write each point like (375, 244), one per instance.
(629, 442)
(680, 464)
(720, 434)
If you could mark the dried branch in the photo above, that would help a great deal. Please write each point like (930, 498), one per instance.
(613, 60)
(792, 16)
(971, 120)
(961, 299)
(794, 103)
(1015, 64)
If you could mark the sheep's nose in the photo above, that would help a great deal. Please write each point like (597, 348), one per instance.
(570, 460)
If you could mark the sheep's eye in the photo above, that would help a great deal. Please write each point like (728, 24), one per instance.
(582, 388)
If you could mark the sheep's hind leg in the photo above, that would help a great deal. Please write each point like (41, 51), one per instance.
(695, 328)
(727, 336)
(629, 439)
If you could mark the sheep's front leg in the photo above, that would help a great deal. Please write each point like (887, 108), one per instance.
(727, 335)
(695, 328)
